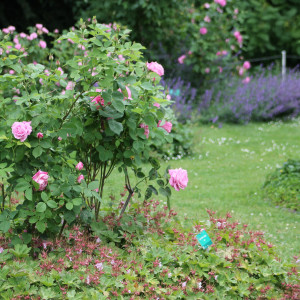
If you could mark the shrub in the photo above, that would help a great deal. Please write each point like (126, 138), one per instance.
(265, 97)
(283, 186)
(147, 254)
(65, 129)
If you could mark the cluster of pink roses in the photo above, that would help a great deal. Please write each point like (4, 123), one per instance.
(79, 167)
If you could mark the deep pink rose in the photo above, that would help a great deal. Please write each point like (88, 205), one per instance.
(79, 166)
(21, 130)
(221, 2)
(167, 126)
(156, 67)
(181, 59)
(146, 129)
(246, 65)
(178, 179)
(203, 30)
(80, 178)
(41, 178)
(40, 135)
(97, 100)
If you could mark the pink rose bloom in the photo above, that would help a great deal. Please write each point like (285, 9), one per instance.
(246, 65)
(79, 166)
(241, 71)
(60, 70)
(247, 80)
(167, 126)
(18, 46)
(179, 179)
(207, 19)
(128, 92)
(80, 178)
(59, 138)
(32, 36)
(207, 5)
(207, 70)
(45, 30)
(23, 35)
(70, 86)
(190, 52)
(236, 11)
(156, 104)
(218, 53)
(21, 130)
(5, 30)
(42, 44)
(156, 67)
(11, 28)
(39, 26)
(69, 40)
(224, 52)
(220, 69)
(40, 135)
(181, 59)
(238, 36)
(168, 97)
(12, 72)
(221, 2)
(97, 100)
(203, 30)
(41, 178)
(146, 129)
(56, 31)
(1, 51)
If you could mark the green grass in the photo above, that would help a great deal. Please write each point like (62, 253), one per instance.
(226, 173)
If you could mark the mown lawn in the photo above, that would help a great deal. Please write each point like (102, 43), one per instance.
(226, 173)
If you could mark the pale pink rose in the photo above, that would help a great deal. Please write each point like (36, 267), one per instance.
(207, 70)
(178, 179)
(42, 44)
(32, 36)
(5, 30)
(181, 59)
(70, 86)
(146, 129)
(11, 28)
(61, 72)
(41, 178)
(168, 97)
(80, 178)
(190, 52)
(39, 26)
(241, 71)
(41, 81)
(59, 138)
(56, 31)
(207, 19)
(45, 30)
(247, 80)
(238, 36)
(21, 130)
(23, 35)
(18, 46)
(121, 57)
(167, 126)
(221, 2)
(156, 104)
(236, 11)
(207, 5)
(1, 51)
(16, 40)
(224, 52)
(40, 135)
(156, 67)
(12, 72)
(220, 69)
(246, 65)
(79, 166)
(203, 30)
(69, 40)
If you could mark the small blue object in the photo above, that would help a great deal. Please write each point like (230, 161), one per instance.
(204, 239)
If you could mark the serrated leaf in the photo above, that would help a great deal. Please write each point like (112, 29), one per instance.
(41, 207)
(28, 194)
(52, 204)
(115, 126)
(37, 151)
(69, 205)
(41, 226)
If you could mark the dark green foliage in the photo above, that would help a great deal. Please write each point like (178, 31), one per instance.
(283, 186)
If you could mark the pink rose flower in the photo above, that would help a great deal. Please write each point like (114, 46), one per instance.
(156, 104)
(241, 71)
(181, 59)
(178, 179)
(18, 46)
(79, 166)
(221, 2)
(156, 67)
(42, 44)
(41, 178)
(203, 30)
(40, 135)
(45, 30)
(70, 86)
(168, 97)
(21, 130)
(80, 178)
(246, 80)
(246, 65)
(146, 129)
(207, 5)
(59, 138)
(167, 126)
(39, 26)
(23, 35)
(207, 70)
(207, 19)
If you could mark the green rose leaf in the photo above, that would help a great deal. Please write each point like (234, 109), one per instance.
(115, 126)
(41, 207)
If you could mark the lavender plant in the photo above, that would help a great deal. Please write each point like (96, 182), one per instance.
(263, 97)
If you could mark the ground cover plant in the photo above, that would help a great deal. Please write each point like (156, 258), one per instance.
(266, 96)
(283, 186)
(149, 254)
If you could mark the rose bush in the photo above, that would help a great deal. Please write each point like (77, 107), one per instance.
(90, 109)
